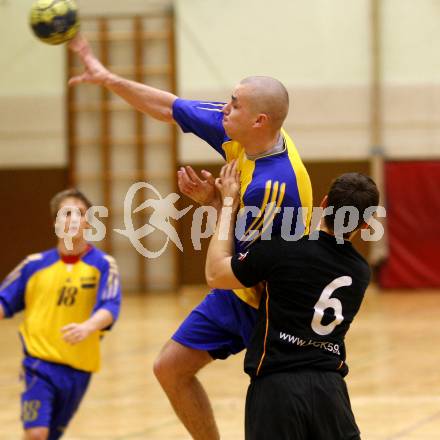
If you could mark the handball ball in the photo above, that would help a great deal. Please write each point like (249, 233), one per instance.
(54, 21)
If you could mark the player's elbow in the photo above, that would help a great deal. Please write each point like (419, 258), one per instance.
(164, 109)
(218, 279)
(214, 283)
(214, 275)
(165, 115)
(211, 277)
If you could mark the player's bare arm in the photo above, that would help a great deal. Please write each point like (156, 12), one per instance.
(218, 269)
(201, 190)
(154, 102)
(2, 312)
(74, 333)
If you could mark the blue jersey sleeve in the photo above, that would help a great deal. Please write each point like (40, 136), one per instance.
(109, 290)
(12, 290)
(204, 119)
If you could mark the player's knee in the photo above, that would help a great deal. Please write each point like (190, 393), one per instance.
(162, 368)
(36, 434)
(158, 368)
(176, 363)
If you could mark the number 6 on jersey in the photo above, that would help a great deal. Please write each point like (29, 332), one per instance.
(325, 302)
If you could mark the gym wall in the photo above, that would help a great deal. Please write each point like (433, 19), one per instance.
(321, 50)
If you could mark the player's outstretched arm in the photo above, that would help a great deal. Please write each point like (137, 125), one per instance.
(2, 312)
(74, 333)
(154, 102)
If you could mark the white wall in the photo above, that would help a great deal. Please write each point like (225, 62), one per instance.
(318, 48)
(321, 50)
(31, 94)
(33, 83)
(299, 42)
(411, 41)
(411, 46)
(98, 7)
(28, 67)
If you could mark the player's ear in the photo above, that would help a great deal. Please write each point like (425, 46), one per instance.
(261, 120)
(324, 202)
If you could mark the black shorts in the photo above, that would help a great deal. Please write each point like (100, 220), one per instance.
(299, 405)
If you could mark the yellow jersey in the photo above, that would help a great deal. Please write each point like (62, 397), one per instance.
(54, 291)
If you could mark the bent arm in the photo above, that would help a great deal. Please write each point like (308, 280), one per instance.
(100, 320)
(74, 333)
(218, 270)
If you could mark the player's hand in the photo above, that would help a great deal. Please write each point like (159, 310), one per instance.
(75, 333)
(229, 182)
(202, 191)
(95, 72)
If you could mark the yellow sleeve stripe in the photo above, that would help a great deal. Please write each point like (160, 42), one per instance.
(262, 211)
(263, 206)
(272, 213)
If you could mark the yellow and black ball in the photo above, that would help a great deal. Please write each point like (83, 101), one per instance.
(54, 21)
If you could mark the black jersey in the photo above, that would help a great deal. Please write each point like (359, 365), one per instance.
(314, 289)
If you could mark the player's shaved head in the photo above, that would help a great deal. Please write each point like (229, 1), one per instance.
(268, 95)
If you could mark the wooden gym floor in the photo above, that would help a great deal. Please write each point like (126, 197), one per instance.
(393, 352)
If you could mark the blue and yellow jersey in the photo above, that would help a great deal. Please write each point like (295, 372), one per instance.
(54, 293)
(277, 184)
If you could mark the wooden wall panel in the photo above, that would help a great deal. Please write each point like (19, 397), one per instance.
(25, 221)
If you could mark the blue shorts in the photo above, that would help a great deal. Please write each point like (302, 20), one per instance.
(52, 395)
(221, 324)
